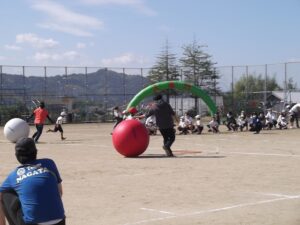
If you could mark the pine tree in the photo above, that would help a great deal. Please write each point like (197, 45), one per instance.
(165, 67)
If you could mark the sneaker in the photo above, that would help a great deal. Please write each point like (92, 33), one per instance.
(168, 151)
(63, 138)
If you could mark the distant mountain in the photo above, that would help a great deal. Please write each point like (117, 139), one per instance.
(102, 85)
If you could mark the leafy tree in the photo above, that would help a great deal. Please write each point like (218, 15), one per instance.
(249, 85)
(249, 92)
(291, 85)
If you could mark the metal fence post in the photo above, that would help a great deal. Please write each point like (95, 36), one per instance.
(45, 82)
(247, 88)
(24, 85)
(86, 95)
(232, 87)
(265, 86)
(105, 92)
(1, 85)
(66, 82)
(285, 84)
(124, 88)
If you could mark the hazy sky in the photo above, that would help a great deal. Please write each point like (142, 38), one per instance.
(131, 33)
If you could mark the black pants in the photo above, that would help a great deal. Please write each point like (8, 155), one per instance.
(119, 120)
(168, 135)
(294, 117)
(13, 211)
(38, 133)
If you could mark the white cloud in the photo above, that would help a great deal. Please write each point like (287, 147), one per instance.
(2, 58)
(64, 20)
(36, 41)
(44, 56)
(12, 47)
(124, 60)
(80, 45)
(164, 28)
(139, 5)
(293, 60)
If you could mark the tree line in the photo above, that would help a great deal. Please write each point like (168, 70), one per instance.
(197, 67)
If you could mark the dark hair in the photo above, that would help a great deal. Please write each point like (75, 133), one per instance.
(42, 105)
(25, 150)
(157, 97)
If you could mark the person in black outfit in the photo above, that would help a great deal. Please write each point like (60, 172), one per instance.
(231, 122)
(165, 116)
(117, 116)
(256, 124)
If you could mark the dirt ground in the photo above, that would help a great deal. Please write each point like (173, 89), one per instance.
(216, 179)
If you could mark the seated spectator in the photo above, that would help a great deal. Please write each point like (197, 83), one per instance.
(242, 121)
(282, 120)
(213, 125)
(270, 119)
(182, 127)
(151, 125)
(256, 124)
(262, 119)
(189, 122)
(231, 122)
(198, 127)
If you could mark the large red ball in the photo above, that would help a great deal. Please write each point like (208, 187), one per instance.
(130, 138)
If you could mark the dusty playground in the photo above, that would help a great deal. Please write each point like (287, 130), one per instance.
(222, 179)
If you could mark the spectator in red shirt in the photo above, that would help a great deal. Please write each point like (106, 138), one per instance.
(40, 114)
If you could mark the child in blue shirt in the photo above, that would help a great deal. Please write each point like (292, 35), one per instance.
(31, 194)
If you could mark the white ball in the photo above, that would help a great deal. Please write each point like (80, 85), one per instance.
(15, 129)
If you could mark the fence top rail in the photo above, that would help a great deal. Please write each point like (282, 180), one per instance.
(76, 67)
(267, 64)
(118, 68)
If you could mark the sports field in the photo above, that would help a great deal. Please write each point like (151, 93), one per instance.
(216, 179)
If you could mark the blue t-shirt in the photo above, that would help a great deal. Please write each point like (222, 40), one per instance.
(37, 187)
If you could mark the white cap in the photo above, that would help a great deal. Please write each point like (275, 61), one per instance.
(63, 113)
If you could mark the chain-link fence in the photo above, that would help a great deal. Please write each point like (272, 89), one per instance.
(88, 94)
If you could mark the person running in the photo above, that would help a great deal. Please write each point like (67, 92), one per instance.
(31, 193)
(40, 114)
(165, 117)
(117, 116)
(58, 126)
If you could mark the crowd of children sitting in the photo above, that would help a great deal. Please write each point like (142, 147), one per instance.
(255, 122)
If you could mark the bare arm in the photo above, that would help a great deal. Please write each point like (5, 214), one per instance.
(49, 118)
(175, 118)
(29, 117)
(2, 216)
